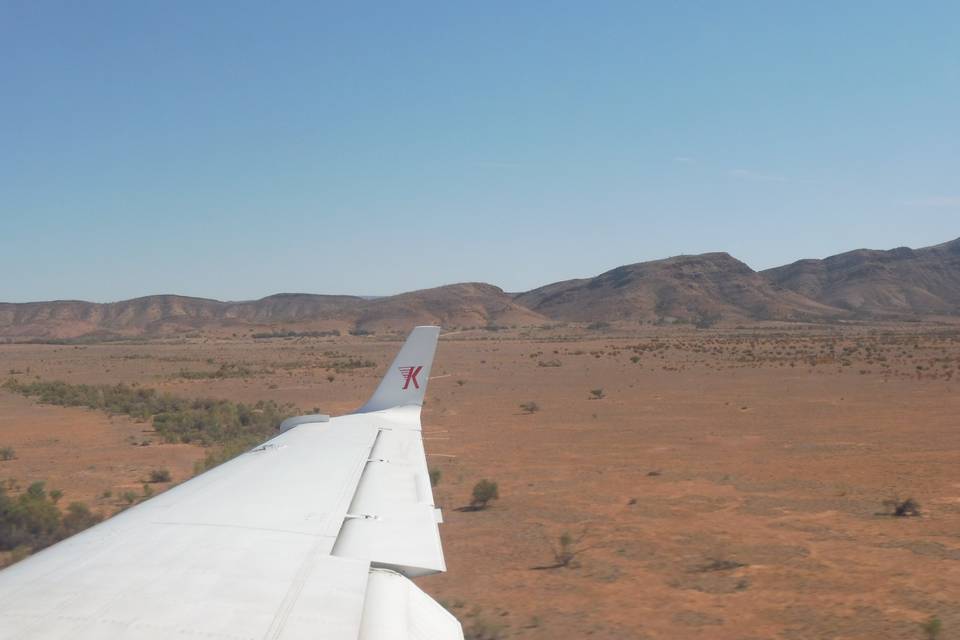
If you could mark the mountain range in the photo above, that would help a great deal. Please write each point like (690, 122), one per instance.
(863, 284)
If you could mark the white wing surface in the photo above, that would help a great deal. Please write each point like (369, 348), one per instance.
(314, 534)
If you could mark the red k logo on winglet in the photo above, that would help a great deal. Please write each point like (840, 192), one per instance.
(410, 375)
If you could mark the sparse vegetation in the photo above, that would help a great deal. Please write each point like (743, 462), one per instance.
(932, 628)
(529, 407)
(483, 629)
(706, 320)
(483, 492)
(232, 427)
(903, 508)
(265, 335)
(597, 394)
(719, 565)
(160, 475)
(7, 453)
(226, 370)
(566, 550)
(32, 521)
(435, 476)
(348, 364)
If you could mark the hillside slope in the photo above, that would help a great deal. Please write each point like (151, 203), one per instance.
(872, 283)
(690, 288)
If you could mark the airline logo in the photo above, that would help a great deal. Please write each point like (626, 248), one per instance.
(410, 375)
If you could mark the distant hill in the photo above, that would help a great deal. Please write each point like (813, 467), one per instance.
(899, 283)
(690, 288)
(895, 283)
(471, 304)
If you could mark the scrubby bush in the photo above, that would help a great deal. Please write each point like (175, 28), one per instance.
(483, 492)
(295, 334)
(7, 453)
(529, 407)
(160, 475)
(32, 520)
(483, 629)
(232, 427)
(903, 508)
(435, 477)
(932, 628)
(568, 548)
(78, 518)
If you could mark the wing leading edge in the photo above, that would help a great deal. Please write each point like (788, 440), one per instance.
(312, 535)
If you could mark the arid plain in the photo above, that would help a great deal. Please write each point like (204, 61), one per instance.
(724, 483)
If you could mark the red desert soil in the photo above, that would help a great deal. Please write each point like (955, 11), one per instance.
(730, 483)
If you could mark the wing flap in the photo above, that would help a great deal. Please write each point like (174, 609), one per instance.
(395, 609)
(393, 521)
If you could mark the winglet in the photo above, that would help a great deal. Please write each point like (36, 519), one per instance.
(405, 382)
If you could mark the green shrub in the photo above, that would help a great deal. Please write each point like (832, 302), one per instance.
(230, 426)
(32, 521)
(483, 492)
(932, 628)
(483, 629)
(78, 518)
(160, 475)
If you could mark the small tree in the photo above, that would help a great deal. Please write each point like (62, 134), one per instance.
(483, 492)
(55, 495)
(529, 407)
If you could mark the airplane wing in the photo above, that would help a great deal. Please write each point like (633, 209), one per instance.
(313, 534)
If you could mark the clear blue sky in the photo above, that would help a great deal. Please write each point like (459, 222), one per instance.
(233, 150)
